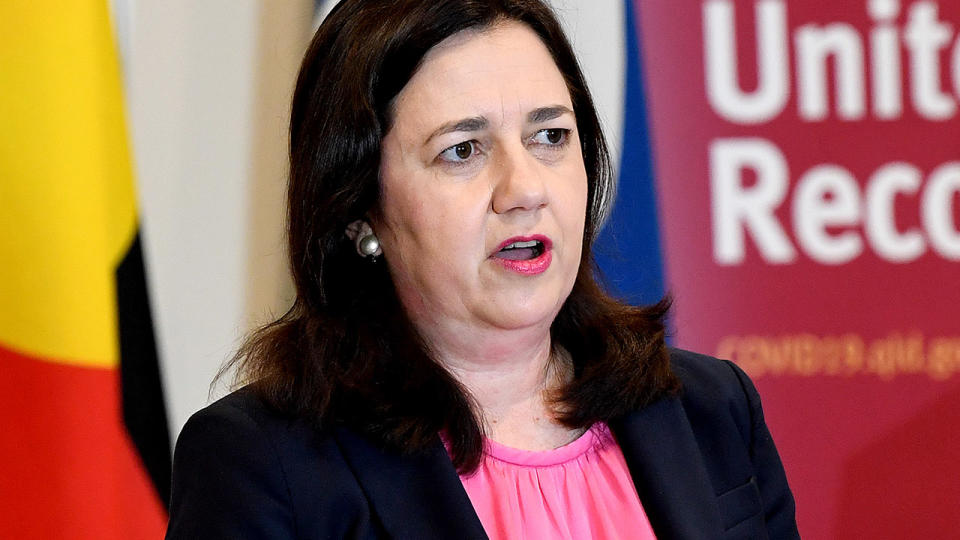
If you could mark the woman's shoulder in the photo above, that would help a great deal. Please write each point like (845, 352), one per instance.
(702, 373)
(243, 422)
(239, 457)
(713, 388)
(243, 417)
(242, 407)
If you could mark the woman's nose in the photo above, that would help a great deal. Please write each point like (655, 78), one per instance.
(518, 184)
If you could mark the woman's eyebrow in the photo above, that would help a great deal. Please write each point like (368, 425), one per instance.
(467, 124)
(544, 114)
(477, 123)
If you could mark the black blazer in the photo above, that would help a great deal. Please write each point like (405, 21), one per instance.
(703, 464)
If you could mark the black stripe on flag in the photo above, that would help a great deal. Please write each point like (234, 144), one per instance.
(144, 410)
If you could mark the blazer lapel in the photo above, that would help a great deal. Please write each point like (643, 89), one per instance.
(669, 472)
(414, 496)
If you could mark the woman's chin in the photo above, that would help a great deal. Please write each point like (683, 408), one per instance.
(532, 315)
(528, 307)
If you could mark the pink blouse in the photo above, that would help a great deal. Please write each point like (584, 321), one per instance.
(580, 490)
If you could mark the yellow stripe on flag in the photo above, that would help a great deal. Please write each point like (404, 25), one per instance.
(67, 208)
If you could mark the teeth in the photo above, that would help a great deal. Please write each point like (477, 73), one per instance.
(521, 245)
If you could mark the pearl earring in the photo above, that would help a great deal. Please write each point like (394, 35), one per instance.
(366, 242)
(368, 245)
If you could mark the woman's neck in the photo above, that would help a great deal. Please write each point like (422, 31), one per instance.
(513, 391)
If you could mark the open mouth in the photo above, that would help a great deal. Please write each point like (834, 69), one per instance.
(521, 251)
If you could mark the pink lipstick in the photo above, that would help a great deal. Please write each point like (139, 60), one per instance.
(528, 255)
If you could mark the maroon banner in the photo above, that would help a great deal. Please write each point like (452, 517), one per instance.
(807, 159)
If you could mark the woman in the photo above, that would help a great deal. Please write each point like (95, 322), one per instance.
(450, 368)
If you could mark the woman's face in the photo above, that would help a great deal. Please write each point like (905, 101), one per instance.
(483, 155)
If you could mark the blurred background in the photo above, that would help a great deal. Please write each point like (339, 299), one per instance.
(789, 171)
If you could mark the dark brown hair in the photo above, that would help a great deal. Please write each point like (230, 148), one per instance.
(346, 353)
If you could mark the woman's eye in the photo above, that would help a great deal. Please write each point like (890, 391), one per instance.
(551, 137)
(459, 152)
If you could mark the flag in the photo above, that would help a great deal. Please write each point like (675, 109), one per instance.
(84, 441)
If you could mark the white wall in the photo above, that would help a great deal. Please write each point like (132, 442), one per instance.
(596, 30)
(205, 79)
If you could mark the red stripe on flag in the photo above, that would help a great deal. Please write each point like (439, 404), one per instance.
(70, 471)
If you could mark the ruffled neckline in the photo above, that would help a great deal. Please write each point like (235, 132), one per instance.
(591, 440)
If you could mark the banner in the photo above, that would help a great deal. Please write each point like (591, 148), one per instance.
(84, 428)
(806, 165)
